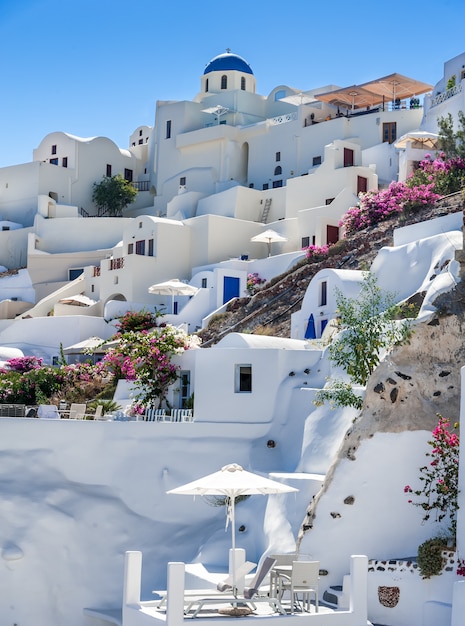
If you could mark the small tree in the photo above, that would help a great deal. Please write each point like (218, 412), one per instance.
(369, 327)
(113, 194)
(452, 143)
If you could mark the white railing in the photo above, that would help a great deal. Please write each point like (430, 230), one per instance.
(283, 119)
(442, 97)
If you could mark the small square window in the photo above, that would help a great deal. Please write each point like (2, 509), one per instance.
(243, 379)
(305, 242)
(317, 160)
(54, 149)
(54, 161)
(182, 181)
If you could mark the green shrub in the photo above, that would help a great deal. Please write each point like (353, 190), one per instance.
(430, 559)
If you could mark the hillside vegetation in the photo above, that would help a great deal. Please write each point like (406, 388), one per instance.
(269, 311)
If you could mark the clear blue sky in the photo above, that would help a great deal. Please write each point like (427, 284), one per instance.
(97, 67)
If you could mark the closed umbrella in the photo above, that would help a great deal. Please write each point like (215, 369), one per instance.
(173, 287)
(268, 236)
(232, 481)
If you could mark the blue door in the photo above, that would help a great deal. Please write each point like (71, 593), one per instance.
(230, 288)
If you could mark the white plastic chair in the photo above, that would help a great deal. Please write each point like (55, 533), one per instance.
(98, 415)
(77, 411)
(303, 580)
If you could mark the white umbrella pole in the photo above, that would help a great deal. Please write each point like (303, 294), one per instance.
(233, 543)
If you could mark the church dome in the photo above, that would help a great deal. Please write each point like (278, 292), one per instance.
(228, 61)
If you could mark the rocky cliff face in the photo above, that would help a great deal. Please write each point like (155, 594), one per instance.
(413, 385)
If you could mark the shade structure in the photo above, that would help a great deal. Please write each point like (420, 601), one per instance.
(419, 138)
(395, 86)
(268, 236)
(173, 287)
(375, 91)
(85, 346)
(352, 97)
(232, 481)
(78, 300)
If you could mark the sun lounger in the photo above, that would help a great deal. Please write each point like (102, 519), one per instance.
(251, 595)
(221, 588)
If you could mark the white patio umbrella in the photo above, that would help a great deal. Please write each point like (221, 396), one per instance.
(173, 287)
(419, 138)
(232, 481)
(268, 236)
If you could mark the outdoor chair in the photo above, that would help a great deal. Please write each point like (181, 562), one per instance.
(221, 587)
(154, 415)
(251, 595)
(281, 559)
(181, 415)
(98, 415)
(303, 580)
(48, 411)
(77, 411)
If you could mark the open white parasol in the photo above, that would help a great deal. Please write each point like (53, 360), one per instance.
(173, 287)
(268, 236)
(232, 481)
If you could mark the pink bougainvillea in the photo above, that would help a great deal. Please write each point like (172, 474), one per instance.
(440, 477)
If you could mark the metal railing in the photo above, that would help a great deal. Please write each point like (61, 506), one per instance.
(449, 93)
(116, 264)
(141, 185)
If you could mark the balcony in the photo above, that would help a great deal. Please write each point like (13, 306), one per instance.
(116, 264)
(442, 97)
(141, 185)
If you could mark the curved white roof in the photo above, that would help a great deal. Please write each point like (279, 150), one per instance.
(245, 340)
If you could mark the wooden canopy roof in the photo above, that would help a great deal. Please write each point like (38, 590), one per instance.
(375, 91)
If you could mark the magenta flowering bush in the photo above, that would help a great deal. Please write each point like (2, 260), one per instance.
(253, 283)
(447, 175)
(145, 358)
(440, 477)
(377, 206)
(137, 321)
(31, 383)
(316, 253)
(24, 363)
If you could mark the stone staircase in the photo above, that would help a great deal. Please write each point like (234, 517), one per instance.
(338, 596)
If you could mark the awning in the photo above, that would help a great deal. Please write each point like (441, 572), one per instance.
(375, 91)
(396, 86)
(78, 300)
(353, 97)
